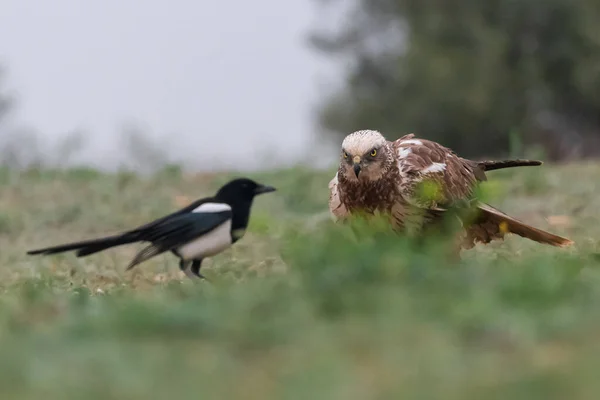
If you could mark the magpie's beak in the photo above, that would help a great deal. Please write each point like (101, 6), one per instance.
(263, 189)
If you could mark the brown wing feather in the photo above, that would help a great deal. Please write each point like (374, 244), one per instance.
(493, 223)
(336, 206)
(423, 160)
(406, 137)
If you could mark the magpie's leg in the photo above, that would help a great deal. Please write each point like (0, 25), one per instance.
(191, 269)
(196, 265)
(184, 266)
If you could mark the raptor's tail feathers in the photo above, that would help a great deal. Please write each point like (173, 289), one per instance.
(86, 247)
(492, 165)
(507, 223)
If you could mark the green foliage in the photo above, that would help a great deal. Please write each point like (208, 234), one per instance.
(295, 309)
(301, 190)
(351, 269)
(469, 73)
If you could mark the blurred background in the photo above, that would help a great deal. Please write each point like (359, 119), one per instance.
(112, 83)
(244, 85)
(193, 92)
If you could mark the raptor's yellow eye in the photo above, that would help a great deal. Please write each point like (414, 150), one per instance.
(373, 153)
(345, 155)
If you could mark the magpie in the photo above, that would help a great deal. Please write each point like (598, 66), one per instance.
(202, 229)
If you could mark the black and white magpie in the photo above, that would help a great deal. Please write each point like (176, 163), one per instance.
(202, 229)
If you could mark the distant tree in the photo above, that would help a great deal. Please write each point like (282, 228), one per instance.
(6, 101)
(143, 153)
(469, 72)
(22, 147)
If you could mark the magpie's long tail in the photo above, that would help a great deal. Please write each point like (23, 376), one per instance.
(492, 165)
(87, 247)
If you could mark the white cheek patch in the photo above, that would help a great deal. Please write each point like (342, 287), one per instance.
(412, 141)
(435, 167)
(403, 152)
(212, 207)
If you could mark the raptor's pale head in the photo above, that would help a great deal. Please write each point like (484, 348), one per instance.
(366, 155)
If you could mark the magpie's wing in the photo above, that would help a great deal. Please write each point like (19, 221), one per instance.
(185, 210)
(87, 247)
(177, 230)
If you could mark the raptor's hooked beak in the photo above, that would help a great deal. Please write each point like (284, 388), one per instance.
(356, 165)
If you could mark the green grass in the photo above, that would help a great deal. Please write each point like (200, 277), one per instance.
(300, 308)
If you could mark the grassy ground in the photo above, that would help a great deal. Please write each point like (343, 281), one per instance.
(299, 309)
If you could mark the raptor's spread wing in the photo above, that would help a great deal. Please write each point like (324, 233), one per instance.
(336, 207)
(431, 175)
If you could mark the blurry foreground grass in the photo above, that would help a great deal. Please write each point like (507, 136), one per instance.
(299, 309)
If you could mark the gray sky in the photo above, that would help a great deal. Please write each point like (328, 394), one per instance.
(216, 86)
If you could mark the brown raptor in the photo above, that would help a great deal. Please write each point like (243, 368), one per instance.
(380, 176)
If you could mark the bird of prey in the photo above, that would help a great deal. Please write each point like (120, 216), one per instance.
(202, 229)
(379, 176)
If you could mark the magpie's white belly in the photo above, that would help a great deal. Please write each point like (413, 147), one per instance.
(208, 245)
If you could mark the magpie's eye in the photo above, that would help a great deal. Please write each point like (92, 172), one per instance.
(373, 153)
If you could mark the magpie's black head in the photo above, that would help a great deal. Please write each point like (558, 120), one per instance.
(241, 190)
